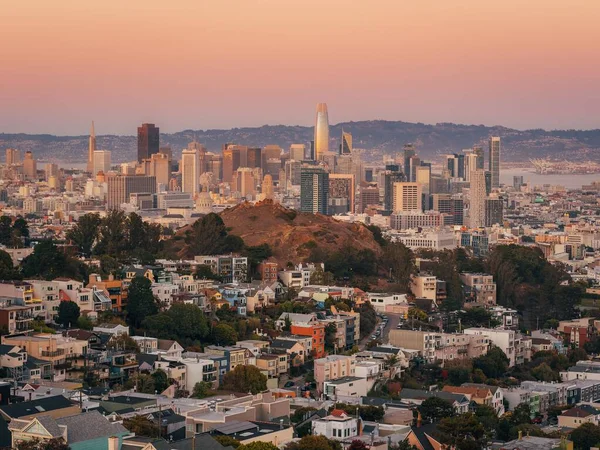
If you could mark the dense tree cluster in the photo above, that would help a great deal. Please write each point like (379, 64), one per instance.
(14, 234)
(245, 379)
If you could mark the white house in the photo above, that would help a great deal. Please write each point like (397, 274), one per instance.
(382, 300)
(115, 329)
(337, 425)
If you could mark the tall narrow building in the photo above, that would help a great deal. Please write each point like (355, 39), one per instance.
(321, 131)
(190, 171)
(409, 152)
(91, 150)
(346, 144)
(408, 197)
(495, 161)
(314, 190)
(148, 141)
(477, 197)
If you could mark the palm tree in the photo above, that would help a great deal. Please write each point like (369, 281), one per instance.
(391, 361)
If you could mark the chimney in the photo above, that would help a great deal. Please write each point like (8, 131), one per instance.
(419, 419)
(113, 443)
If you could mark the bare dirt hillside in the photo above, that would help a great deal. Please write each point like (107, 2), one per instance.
(292, 234)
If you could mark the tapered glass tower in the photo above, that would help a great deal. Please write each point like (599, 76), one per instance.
(321, 131)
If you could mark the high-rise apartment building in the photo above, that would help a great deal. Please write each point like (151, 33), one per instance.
(101, 161)
(451, 205)
(494, 210)
(120, 187)
(477, 196)
(346, 143)
(254, 157)
(148, 141)
(159, 167)
(190, 171)
(29, 166)
(391, 176)
(297, 152)
(13, 156)
(494, 166)
(408, 196)
(91, 150)
(50, 170)
(478, 150)
(471, 163)
(321, 131)
(423, 177)
(232, 155)
(314, 190)
(243, 181)
(369, 197)
(341, 193)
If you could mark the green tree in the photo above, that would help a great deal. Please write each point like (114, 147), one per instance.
(85, 233)
(311, 442)
(7, 270)
(544, 372)
(5, 230)
(245, 379)
(202, 389)
(208, 236)
(20, 232)
(494, 364)
(401, 260)
(586, 436)
(140, 301)
(112, 236)
(577, 354)
(458, 375)
(85, 323)
(417, 314)
(358, 445)
(301, 414)
(224, 334)
(488, 418)
(521, 414)
(68, 314)
(463, 432)
(205, 272)
(37, 444)
(435, 408)
(330, 341)
(141, 426)
(258, 445)
(227, 441)
(123, 342)
(47, 262)
(161, 381)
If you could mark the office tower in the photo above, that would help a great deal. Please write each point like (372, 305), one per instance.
(293, 169)
(148, 141)
(461, 166)
(271, 152)
(254, 157)
(91, 150)
(451, 205)
(214, 165)
(267, 187)
(452, 165)
(478, 150)
(369, 174)
(101, 161)
(409, 152)
(477, 196)
(321, 131)
(413, 163)
(298, 152)
(120, 187)
(13, 156)
(518, 182)
(494, 208)
(343, 164)
(190, 171)
(423, 177)
(439, 184)
(391, 176)
(494, 161)
(314, 190)
(231, 161)
(407, 196)
(369, 197)
(29, 166)
(160, 168)
(243, 182)
(346, 143)
(471, 164)
(312, 151)
(341, 193)
(488, 182)
(50, 170)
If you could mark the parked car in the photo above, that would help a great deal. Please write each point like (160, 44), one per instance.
(289, 384)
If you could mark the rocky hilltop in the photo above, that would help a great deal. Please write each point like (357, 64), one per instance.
(292, 234)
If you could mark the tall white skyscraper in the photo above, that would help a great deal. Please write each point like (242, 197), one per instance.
(190, 171)
(471, 163)
(477, 196)
(101, 161)
(321, 131)
(495, 161)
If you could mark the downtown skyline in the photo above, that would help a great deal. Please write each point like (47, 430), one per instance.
(250, 66)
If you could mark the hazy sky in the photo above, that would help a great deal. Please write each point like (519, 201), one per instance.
(230, 63)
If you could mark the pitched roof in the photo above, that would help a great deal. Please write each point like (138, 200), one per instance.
(89, 425)
(473, 391)
(580, 411)
(424, 433)
(339, 413)
(280, 343)
(50, 425)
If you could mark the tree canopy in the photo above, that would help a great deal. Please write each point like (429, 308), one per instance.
(140, 301)
(245, 379)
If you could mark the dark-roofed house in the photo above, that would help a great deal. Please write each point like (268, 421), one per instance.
(295, 349)
(55, 406)
(199, 442)
(459, 402)
(247, 432)
(577, 416)
(121, 403)
(85, 431)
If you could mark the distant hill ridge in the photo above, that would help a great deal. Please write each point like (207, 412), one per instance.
(379, 136)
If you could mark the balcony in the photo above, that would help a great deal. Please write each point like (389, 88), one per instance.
(53, 354)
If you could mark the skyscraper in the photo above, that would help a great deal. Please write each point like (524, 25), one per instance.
(120, 187)
(477, 196)
(409, 152)
(471, 164)
(297, 152)
(407, 197)
(190, 171)
(91, 150)
(148, 141)
(495, 161)
(346, 143)
(314, 190)
(391, 176)
(341, 193)
(29, 166)
(12, 156)
(101, 162)
(478, 150)
(494, 208)
(231, 161)
(321, 131)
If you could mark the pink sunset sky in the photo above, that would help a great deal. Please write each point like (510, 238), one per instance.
(231, 63)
